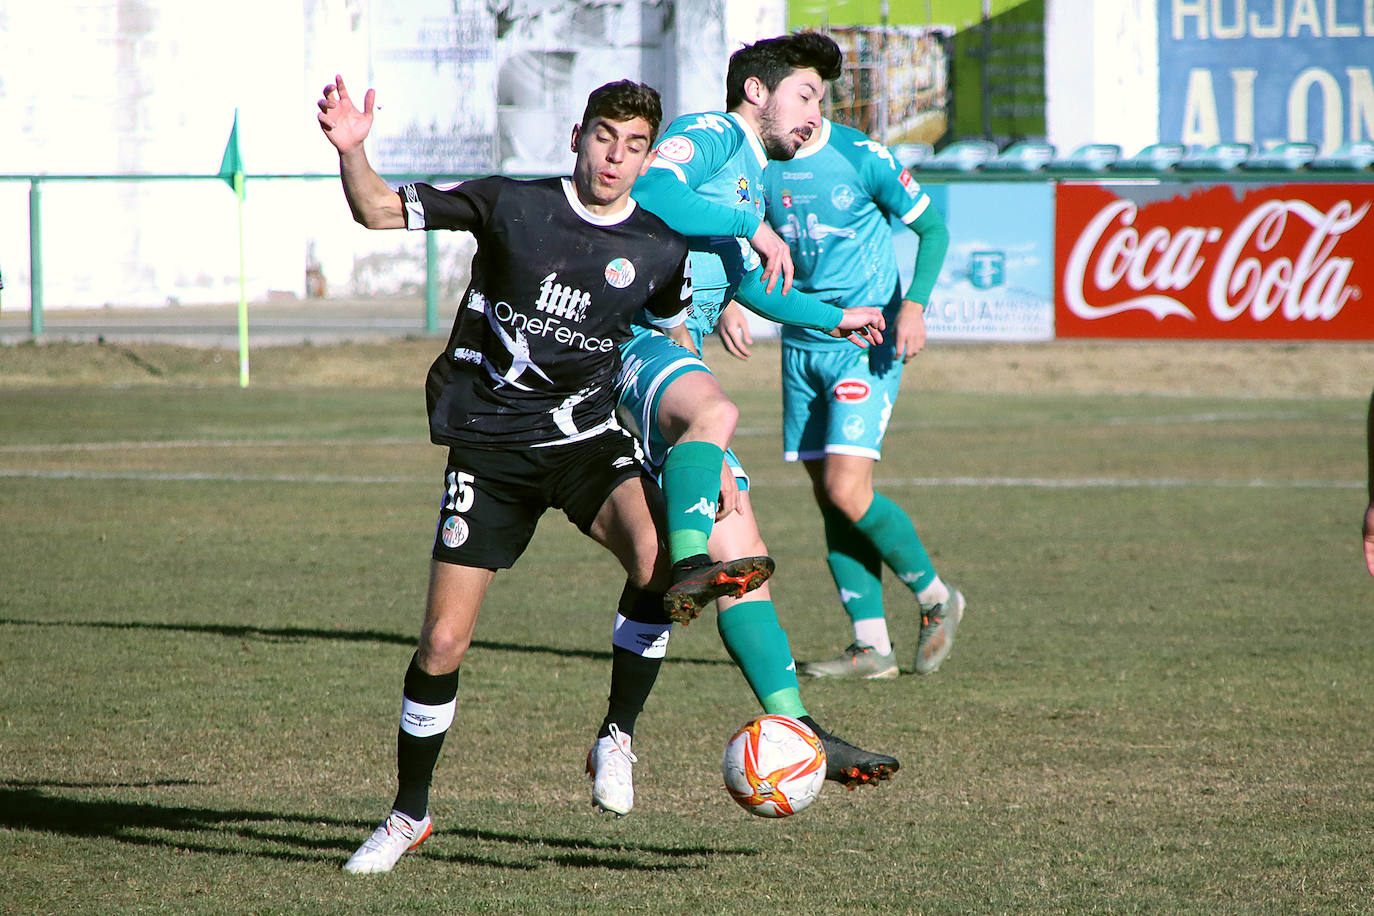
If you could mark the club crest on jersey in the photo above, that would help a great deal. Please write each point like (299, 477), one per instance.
(455, 532)
(842, 197)
(677, 149)
(742, 189)
(852, 391)
(620, 273)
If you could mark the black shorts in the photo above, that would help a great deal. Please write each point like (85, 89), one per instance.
(493, 498)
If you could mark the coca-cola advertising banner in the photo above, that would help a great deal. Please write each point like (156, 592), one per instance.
(1228, 261)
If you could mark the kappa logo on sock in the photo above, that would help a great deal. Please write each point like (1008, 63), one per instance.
(847, 596)
(704, 506)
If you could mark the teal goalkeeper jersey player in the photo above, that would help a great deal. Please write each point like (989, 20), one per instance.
(832, 204)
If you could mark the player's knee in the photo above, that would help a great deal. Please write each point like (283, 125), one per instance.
(849, 497)
(442, 648)
(648, 568)
(714, 420)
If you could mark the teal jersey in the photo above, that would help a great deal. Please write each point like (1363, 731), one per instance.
(718, 157)
(832, 204)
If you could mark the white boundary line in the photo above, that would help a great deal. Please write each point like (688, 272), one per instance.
(1043, 483)
(755, 430)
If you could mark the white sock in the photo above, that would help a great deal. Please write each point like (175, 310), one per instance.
(935, 592)
(872, 631)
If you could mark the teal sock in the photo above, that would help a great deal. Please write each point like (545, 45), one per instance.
(890, 531)
(855, 565)
(758, 644)
(691, 485)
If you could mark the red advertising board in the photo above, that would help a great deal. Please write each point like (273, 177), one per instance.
(1231, 261)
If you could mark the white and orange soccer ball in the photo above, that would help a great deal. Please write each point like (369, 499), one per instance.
(774, 766)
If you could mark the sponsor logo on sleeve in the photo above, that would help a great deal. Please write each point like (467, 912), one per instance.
(677, 149)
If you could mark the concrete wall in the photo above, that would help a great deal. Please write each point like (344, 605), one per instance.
(151, 86)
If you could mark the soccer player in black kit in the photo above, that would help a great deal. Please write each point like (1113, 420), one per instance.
(524, 393)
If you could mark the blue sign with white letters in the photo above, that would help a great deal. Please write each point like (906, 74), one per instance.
(1266, 71)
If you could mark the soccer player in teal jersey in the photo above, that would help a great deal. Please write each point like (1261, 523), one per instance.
(705, 184)
(834, 203)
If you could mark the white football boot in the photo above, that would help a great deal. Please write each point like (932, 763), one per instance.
(610, 764)
(397, 836)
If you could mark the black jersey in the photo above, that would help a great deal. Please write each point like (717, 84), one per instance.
(534, 351)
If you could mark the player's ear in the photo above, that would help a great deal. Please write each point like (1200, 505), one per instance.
(576, 133)
(648, 160)
(755, 91)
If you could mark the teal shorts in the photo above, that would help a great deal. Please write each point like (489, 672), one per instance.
(651, 363)
(837, 400)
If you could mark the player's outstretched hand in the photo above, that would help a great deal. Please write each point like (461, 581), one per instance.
(733, 329)
(862, 324)
(1369, 538)
(343, 124)
(777, 257)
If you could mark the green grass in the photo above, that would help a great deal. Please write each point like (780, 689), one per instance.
(1160, 700)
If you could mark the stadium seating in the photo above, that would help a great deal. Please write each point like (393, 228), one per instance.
(1157, 157)
(909, 155)
(1220, 157)
(1289, 157)
(1026, 156)
(960, 156)
(1090, 157)
(1346, 157)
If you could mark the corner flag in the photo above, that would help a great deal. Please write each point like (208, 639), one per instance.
(231, 171)
(231, 165)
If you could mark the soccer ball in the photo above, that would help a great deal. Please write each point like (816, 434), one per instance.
(774, 766)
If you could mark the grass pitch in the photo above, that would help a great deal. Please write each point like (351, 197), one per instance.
(1159, 701)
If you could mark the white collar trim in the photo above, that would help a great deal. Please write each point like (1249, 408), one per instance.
(820, 145)
(610, 219)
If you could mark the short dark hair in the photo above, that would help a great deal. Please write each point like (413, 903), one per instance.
(773, 60)
(625, 100)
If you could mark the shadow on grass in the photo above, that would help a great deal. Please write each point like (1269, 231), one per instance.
(293, 634)
(28, 806)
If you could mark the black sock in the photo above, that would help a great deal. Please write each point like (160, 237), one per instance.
(632, 675)
(416, 754)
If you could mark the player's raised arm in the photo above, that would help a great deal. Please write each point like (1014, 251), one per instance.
(373, 203)
(863, 325)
